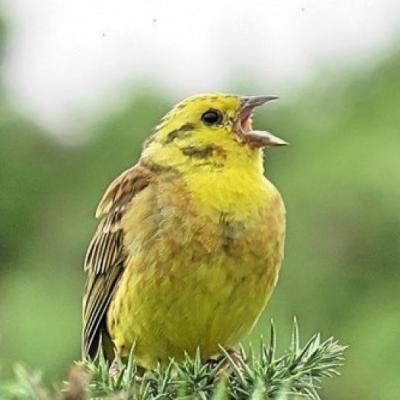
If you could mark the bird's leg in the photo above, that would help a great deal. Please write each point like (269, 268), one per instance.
(115, 367)
(226, 364)
(235, 356)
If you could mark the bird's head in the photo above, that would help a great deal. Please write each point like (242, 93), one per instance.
(209, 130)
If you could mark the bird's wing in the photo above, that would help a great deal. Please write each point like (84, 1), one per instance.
(105, 257)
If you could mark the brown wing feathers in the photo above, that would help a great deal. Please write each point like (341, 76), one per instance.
(105, 257)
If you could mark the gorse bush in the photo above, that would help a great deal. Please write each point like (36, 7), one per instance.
(250, 374)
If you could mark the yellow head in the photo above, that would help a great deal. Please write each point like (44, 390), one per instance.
(209, 131)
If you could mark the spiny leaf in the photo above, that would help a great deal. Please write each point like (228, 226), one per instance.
(295, 374)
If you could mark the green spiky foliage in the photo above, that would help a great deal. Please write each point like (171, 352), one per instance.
(247, 374)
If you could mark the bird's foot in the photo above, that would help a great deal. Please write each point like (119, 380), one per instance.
(118, 366)
(235, 356)
(115, 368)
(226, 363)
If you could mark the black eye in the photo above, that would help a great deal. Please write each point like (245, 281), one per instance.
(212, 117)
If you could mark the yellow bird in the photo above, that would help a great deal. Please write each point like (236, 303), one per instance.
(190, 240)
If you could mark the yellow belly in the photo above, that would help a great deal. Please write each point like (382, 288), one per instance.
(193, 280)
(216, 302)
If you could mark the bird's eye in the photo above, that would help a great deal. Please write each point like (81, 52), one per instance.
(212, 117)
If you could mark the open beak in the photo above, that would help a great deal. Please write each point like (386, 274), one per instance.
(244, 127)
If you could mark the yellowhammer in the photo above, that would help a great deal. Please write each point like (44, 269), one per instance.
(190, 239)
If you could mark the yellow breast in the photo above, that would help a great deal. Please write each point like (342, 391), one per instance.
(204, 255)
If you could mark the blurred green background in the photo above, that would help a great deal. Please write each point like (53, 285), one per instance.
(340, 179)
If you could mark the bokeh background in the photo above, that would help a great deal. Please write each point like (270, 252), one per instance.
(82, 84)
